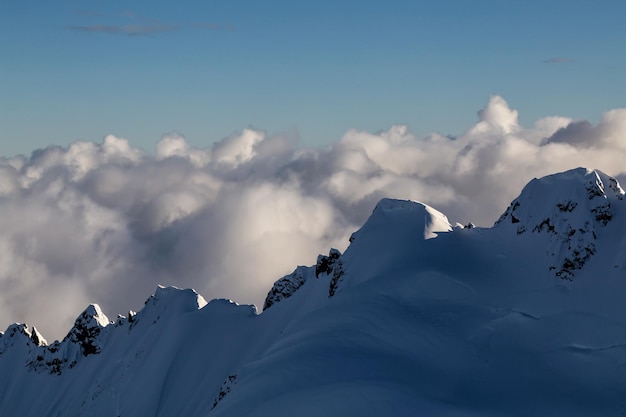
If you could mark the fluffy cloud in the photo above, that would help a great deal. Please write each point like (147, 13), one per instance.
(106, 222)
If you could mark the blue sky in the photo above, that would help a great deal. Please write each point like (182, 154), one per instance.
(78, 70)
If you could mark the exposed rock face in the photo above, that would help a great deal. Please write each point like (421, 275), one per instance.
(326, 266)
(226, 387)
(286, 286)
(331, 266)
(569, 208)
(337, 276)
(86, 330)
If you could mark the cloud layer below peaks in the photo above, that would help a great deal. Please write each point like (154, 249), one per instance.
(106, 222)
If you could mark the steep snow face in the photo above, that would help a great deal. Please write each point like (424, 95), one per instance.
(395, 231)
(170, 300)
(424, 221)
(569, 208)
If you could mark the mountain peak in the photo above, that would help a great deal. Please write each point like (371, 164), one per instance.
(400, 212)
(570, 207)
(91, 317)
(27, 336)
(87, 328)
(183, 300)
(168, 301)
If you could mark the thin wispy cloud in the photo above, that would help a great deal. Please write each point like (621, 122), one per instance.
(213, 26)
(139, 25)
(89, 13)
(558, 60)
(127, 29)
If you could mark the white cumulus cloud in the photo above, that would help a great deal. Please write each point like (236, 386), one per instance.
(106, 222)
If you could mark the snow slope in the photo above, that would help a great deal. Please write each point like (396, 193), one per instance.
(525, 318)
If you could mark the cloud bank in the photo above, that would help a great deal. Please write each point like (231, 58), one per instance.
(106, 222)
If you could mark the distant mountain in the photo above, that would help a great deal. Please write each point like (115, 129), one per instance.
(417, 317)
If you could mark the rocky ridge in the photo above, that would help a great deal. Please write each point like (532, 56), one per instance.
(570, 208)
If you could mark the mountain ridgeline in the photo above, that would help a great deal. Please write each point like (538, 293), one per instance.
(416, 317)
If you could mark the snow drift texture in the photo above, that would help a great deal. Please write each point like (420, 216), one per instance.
(415, 318)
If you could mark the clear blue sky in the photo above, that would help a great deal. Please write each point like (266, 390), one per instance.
(78, 70)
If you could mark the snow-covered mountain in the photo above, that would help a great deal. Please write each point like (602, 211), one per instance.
(417, 317)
